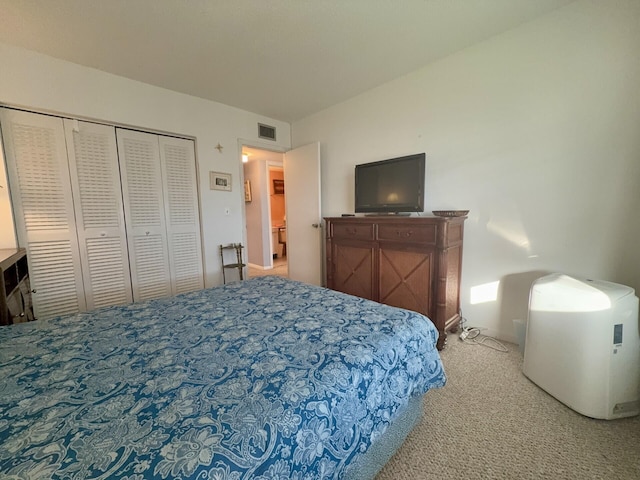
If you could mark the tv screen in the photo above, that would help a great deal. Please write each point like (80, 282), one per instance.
(391, 186)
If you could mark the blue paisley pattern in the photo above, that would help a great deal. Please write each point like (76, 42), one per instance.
(268, 379)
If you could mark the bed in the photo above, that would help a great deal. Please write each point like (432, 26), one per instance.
(266, 378)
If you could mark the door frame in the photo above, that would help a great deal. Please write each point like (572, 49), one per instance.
(271, 165)
(242, 142)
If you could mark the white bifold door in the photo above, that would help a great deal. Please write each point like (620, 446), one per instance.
(42, 199)
(163, 227)
(107, 215)
(97, 199)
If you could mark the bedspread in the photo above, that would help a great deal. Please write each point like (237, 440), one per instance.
(266, 378)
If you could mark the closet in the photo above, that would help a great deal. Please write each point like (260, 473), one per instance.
(107, 215)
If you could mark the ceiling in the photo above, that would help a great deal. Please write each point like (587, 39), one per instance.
(285, 59)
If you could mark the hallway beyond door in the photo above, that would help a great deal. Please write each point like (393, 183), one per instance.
(279, 268)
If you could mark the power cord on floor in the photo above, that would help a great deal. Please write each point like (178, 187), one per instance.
(474, 336)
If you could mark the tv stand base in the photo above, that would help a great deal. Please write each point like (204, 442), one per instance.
(388, 214)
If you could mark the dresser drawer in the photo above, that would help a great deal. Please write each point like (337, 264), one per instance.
(424, 234)
(355, 231)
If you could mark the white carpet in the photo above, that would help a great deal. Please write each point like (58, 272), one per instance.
(491, 422)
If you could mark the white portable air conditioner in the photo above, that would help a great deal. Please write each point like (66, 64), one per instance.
(583, 345)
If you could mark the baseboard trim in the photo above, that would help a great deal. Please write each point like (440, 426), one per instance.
(259, 267)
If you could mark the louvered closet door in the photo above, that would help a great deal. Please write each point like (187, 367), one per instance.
(43, 205)
(95, 180)
(144, 214)
(182, 213)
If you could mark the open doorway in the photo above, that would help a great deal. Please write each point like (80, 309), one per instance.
(265, 212)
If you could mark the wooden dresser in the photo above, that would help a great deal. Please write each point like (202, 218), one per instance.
(409, 262)
(15, 291)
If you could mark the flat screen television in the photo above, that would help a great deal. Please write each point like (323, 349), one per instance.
(391, 186)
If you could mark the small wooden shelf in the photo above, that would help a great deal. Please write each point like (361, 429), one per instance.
(15, 290)
(238, 264)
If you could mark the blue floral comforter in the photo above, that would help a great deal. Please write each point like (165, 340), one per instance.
(266, 379)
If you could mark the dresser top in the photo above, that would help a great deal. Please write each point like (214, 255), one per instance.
(396, 219)
(9, 256)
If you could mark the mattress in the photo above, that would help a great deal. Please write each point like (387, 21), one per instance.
(267, 378)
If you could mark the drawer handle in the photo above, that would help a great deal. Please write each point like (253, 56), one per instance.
(404, 234)
(352, 231)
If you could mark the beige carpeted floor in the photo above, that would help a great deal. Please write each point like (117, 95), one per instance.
(491, 422)
(280, 268)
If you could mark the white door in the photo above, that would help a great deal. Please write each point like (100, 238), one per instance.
(181, 213)
(44, 214)
(142, 194)
(304, 223)
(95, 182)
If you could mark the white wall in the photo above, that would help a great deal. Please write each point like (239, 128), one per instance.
(536, 131)
(32, 80)
(7, 230)
(257, 215)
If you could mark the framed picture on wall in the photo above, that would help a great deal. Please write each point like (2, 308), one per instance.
(278, 187)
(247, 190)
(220, 181)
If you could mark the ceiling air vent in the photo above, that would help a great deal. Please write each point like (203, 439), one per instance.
(265, 131)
